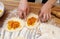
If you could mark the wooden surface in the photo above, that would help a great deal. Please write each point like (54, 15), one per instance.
(56, 11)
(9, 6)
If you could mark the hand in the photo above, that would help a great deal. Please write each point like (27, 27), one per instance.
(45, 13)
(23, 9)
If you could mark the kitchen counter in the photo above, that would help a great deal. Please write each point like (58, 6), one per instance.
(35, 7)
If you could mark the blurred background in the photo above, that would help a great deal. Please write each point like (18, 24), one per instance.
(37, 1)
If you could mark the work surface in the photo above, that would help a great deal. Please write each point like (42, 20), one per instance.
(35, 7)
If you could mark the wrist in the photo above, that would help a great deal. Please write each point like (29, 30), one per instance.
(23, 0)
(48, 5)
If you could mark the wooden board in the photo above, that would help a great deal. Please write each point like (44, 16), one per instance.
(34, 7)
(56, 11)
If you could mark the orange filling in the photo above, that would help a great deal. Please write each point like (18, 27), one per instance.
(0, 11)
(13, 25)
(31, 21)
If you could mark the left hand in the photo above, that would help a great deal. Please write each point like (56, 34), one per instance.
(23, 9)
(45, 13)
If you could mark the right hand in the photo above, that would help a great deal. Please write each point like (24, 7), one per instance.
(23, 9)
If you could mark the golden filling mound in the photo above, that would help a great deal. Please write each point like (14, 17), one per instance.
(13, 24)
(31, 21)
(0, 11)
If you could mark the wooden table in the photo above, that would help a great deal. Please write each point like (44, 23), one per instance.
(10, 5)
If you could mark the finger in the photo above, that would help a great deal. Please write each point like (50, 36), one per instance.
(20, 14)
(25, 15)
(49, 16)
(27, 11)
(44, 17)
(40, 15)
(47, 19)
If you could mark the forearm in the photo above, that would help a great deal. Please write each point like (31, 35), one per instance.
(50, 2)
(23, 1)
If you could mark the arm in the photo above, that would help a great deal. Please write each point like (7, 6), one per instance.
(45, 13)
(50, 3)
(23, 9)
(23, 1)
